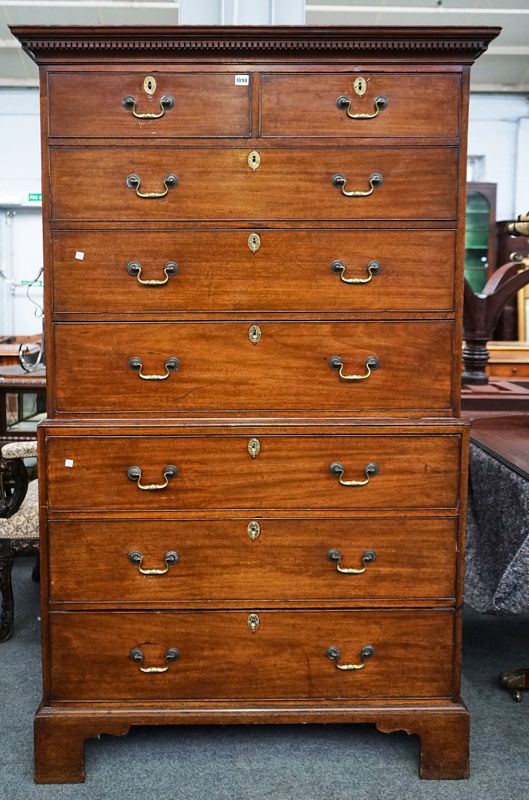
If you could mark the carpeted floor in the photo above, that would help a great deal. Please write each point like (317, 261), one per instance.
(283, 763)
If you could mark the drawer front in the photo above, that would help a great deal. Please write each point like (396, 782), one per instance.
(108, 104)
(251, 560)
(218, 472)
(326, 105)
(218, 184)
(99, 656)
(222, 271)
(221, 366)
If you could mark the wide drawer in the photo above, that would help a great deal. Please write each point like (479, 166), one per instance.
(201, 655)
(229, 366)
(233, 471)
(218, 184)
(106, 104)
(134, 561)
(252, 270)
(388, 104)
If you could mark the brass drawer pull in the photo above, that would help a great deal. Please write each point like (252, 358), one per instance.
(129, 104)
(379, 104)
(333, 654)
(373, 268)
(137, 655)
(334, 556)
(134, 268)
(340, 181)
(134, 182)
(170, 558)
(371, 363)
(136, 365)
(370, 470)
(134, 474)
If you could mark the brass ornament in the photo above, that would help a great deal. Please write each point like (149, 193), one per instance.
(149, 85)
(254, 160)
(253, 622)
(254, 242)
(254, 447)
(254, 529)
(254, 334)
(360, 86)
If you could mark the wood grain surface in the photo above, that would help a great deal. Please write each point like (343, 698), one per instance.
(93, 107)
(305, 105)
(217, 183)
(217, 472)
(220, 369)
(217, 271)
(221, 658)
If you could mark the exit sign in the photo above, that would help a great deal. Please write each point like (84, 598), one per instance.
(35, 197)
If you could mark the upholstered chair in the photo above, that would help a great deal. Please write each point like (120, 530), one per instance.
(19, 522)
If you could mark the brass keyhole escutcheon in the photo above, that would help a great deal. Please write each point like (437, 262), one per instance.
(254, 529)
(254, 159)
(360, 86)
(149, 85)
(254, 334)
(254, 447)
(254, 242)
(253, 622)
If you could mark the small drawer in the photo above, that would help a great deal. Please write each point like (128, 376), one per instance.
(147, 105)
(165, 472)
(276, 655)
(102, 183)
(257, 560)
(181, 367)
(252, 270)
(359, 104)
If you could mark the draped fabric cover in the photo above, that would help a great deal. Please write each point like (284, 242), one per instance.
(497, 554)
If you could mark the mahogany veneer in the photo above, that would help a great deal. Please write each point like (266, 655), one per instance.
(229, 517)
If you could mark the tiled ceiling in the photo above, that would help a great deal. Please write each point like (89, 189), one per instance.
(505, 67)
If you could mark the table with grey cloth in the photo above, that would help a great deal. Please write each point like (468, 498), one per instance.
(497, 555)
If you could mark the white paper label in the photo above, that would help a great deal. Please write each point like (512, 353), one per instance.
(68, 462)
(242, 80)
(79, 255)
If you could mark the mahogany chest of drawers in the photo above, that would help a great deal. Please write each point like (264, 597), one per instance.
(253, 470)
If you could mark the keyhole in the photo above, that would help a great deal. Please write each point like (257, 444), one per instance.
(149, 85)
(360, 86)
(254, 159)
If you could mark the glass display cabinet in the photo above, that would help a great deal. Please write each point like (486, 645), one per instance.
(480, 238)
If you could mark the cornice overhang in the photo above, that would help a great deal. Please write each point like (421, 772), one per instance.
(49, 44)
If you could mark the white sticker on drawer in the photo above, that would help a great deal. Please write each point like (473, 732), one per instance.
(242, 80)
(79, 255)
(68, 462)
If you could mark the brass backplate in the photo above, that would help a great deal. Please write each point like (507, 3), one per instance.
(254, 334)
(149, 85)
(360, 86)
(254, 447)
(254, 159)
(254, 242)
(253, 622)
(254, 529)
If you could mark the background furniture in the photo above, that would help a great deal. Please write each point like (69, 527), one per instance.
(19, 522)
(10, 347)
(22, 402)
(480, 234)
(511, 326)
(276, 526)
